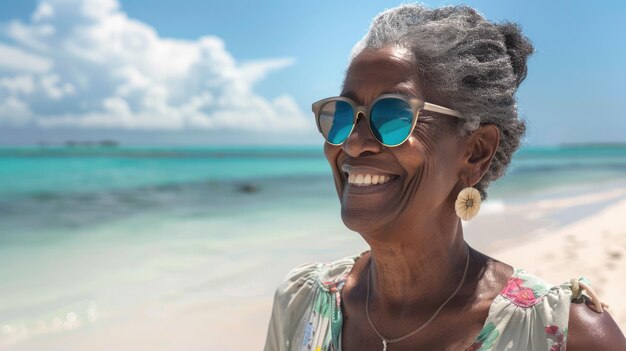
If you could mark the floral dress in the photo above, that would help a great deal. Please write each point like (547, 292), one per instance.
(528, 314)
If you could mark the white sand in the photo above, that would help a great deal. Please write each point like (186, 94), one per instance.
(592, 244)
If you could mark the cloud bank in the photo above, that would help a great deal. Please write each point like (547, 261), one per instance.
(86, 64)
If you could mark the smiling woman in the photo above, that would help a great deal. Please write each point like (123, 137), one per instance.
(435, 88)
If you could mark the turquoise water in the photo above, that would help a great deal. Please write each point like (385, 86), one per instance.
(536, 169)
(93, 239)
(70, 170)
(62, 189)
(31, 171)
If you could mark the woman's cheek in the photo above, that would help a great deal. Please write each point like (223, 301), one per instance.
(327, 152)
(332, 153)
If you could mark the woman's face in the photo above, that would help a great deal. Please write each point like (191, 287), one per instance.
(424, 170)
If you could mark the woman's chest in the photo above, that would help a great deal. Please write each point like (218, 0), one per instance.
(450, 332)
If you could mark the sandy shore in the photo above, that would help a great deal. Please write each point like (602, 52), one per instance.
(557, 236)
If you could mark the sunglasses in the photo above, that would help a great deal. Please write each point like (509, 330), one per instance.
(391, 117)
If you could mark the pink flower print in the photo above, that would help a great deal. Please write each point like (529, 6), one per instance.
(514, 284)
(525, 296)
(557, 336)
(552, 329)
(520, 295)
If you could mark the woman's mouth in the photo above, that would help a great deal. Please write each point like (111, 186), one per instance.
(367, 179)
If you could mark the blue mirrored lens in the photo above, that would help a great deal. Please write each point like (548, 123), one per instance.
(391, 120)
(336, 119)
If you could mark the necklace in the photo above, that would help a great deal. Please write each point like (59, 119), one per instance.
(388, 340)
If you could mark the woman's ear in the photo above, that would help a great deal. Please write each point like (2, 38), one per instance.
(481, 148)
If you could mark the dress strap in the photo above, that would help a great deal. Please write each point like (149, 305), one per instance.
(582, 285)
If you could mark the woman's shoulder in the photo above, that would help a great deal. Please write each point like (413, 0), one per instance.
(531, 313)
(590, 326)
(527, 290)
(310, 276)
(590, 330)
(306, 289)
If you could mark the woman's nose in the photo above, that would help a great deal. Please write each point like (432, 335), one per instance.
(361, 139)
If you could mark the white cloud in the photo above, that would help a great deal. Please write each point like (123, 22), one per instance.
(32, 37)
(53, 89)
(19, 84)
(14, 111)
(86, 64)
(43, 11)
(14, 59)
(255, 71)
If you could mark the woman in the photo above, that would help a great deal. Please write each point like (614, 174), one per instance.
(404, 185)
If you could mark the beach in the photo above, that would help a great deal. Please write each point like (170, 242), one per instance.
(182, 249)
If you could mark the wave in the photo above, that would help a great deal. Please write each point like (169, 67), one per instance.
(161, 153)
(75, 210)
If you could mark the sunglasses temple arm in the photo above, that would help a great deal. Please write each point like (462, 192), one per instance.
(314, 108)
(441, 109)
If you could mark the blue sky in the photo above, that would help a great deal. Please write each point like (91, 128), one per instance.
(203, 72)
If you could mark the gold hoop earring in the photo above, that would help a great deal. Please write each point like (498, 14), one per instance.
(467, 203)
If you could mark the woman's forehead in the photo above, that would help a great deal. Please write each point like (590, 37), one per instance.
(386, 58)
(381, 72)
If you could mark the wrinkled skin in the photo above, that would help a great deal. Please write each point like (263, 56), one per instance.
(416, 239)
(426, 166)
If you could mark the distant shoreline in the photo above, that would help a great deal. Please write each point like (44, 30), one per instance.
(114, 143)
(594, 145)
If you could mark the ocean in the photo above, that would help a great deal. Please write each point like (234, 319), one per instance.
(91, 237)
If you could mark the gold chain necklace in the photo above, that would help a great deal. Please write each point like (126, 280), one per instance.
(388, 340)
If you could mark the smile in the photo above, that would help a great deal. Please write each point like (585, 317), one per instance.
(367, 177)
(360, 179)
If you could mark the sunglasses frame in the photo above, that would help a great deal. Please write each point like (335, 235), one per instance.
(416, 106)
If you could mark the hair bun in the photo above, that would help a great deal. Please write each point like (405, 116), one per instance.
(518, 47)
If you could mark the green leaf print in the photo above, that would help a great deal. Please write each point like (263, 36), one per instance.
(488, 335)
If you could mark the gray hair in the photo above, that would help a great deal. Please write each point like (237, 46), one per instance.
(477, 65)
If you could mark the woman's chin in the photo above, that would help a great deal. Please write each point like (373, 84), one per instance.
(362, 220)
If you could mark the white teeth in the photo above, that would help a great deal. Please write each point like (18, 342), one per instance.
(359, 179)
(352, 178)
(375, 179)
(367, 179)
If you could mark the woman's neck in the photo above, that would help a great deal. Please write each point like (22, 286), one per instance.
(417, 266)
